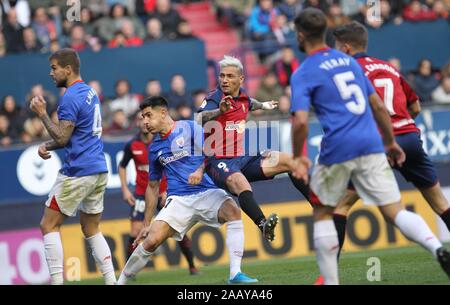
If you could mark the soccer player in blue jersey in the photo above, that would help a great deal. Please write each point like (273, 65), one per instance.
(176, 152)
(351, 150)
(81, 182)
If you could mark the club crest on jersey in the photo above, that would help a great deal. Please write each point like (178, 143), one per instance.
(180, 142)
(203, 105)
(239, 127)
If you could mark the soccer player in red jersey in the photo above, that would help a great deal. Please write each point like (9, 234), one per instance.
(403, 106)
(137, 149)
(224, 113)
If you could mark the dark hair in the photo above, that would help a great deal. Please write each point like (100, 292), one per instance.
(123, 80)
(353, 33)
(154, 101)
(312, 23)
(67, 57)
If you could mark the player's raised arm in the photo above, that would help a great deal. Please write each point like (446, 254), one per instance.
(256, 105)
(393, 150)
(60, 132)
(212, 114)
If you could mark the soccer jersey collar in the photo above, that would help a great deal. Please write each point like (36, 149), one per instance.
(75, 82)
(320, 50)
(170, 131)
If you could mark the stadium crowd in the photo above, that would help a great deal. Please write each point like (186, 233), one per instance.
(40, 26)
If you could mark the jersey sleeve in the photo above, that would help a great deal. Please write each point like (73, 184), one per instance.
(211, 102)
(67, 110)
(411, 96)
(302, 89)
(155, 170)
(127, 155)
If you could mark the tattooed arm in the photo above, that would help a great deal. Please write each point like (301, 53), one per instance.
(60, 133)
(255, 105)
(209, 115)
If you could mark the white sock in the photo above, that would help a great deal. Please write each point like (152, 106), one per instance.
(135, 263)
(54, 257)
(416, 229)
(327, 246)
(102, 256)
(235, 245)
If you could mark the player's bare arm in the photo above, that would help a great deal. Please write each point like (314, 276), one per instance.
(299, 135)
(414, 109)
(197, 176)
(224, 106)
(127, 194)
(256, 105)
(60, 132)
(394, 152)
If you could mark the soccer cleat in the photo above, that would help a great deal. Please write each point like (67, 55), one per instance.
(320, 281)
(268, 227)
(194, 271)
(242, 278)
(443, 256)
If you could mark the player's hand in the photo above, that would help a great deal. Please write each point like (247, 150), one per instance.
(300, 168)
(128, 197)
(196, 177)
(395, 154)
(141, 236)
(43, 152)
(225, 104)
(270, 105)
(38, 105)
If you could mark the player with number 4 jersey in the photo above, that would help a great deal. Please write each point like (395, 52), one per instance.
(81, 182)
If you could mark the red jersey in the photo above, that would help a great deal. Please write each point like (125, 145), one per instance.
(393, 90)
(228, 142)
(137, 150)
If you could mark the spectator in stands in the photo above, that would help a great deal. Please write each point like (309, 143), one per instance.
(104, 101)
(441, 9)
(144, 8)
(234, 12)
(34, 130)
(289, 8)
(269, 89)
(386, 17)
(322, 5)
(261, 24)
(178, 94)
(153, 88)
(284, 105)
(38, 90)
(335, 18)
(10, 109)
(126, 37)
(184, 112)
(125, 100)
(55, 46)
(44, 27)
(87, 22)
(416, 11)
(184, 30)
(442, 93)
(396, 63)
(22, 10)
(2, 44)
(445, 71)
(77, 40)
(285, 66)
(425, 80)
(13, 32)
(32, 45)
(282, 29)
(168, 16)
(35, 4)
(120, 122)
(5, 138)
(154, 30)
(109, 25)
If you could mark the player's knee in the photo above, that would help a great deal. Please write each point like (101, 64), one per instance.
(151, 244)
(47, 227)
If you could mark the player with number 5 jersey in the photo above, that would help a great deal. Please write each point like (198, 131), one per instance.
(81, 182)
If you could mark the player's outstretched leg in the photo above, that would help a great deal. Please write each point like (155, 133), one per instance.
(50, 225)
(436, 199)
(230, 214)
(99, 246)
(157, 233)
(416, 229)
(186, 248)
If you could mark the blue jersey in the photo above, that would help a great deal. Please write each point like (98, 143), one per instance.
(178, 155)
(335, 85)
(84, 151)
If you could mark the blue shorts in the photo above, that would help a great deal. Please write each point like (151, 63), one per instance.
(418, 168)
(137, 211)
(250, 166)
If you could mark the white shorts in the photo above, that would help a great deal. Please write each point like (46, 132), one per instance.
(71, 194)
(183, 212)
(371, 175)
